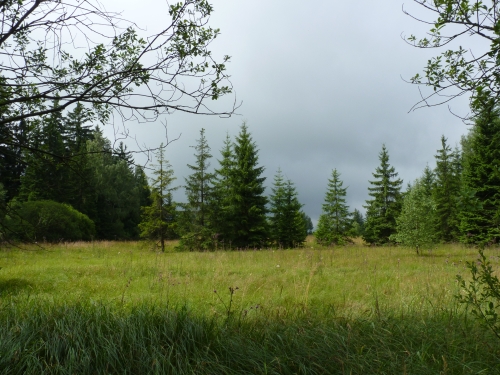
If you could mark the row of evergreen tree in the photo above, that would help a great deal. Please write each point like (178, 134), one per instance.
(225, 208)
(63, 159)
(456, 201)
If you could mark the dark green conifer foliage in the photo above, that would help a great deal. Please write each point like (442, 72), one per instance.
(480, 212)
(335, 223)
(196, 219)
(116, 201)
(142, 184)
(358, 223)
(287, 225)
(428, 181)
(248, 201)
(46, 176)
(13, 140)
(158, 219)
(382, 210)
(309, 223)
(446, 191)
(3, 211)
(121, 153)
(221, 201)
(78, 132)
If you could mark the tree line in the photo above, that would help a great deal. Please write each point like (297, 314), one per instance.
(63, 180)
(456, 201)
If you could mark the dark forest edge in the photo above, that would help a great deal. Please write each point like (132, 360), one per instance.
(66, 171)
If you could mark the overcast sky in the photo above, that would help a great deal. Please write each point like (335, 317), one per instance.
(322, 87)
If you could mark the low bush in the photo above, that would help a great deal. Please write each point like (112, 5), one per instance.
(47, 221)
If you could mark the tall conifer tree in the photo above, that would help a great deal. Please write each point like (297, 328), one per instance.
(158, 219)
(248, 201)
(196, 219)
(287, 222)
(335, 223)
(446, 191)
(385, 205)
(114, 192)
(221, 202)
(480, 213)
(46, 176)
(428, 181)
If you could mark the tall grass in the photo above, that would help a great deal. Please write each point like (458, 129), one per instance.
(116, 308)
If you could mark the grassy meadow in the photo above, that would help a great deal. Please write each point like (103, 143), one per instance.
(116, 307)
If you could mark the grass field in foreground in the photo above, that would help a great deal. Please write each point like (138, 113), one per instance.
(67, 308)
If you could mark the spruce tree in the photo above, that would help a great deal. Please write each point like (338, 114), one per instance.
(248, 202)
(78, 132)
(480, 197)
(142, 184)
(287, 226)
(13, 140)
(77, 129)
(195, 222)
(446, 191)
(221, 200)
(115, 198)
(428, 181)
(158, 219)
(335, 224)
(358, 223)
(309, 223)
(46, 176)
(382, 210)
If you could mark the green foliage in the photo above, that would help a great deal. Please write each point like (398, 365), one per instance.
(309, 223)
(221, 206)
(196, 219)
(47, 172)
(47, 221)
(159, 219)
(459, 70)
(335, 223)
(51, 96)
(480, 198)
(105, 66)
(482, 292)
(428, 181)
(13, 139)
(287, 225)
(358, 223)
(385, 206)
(113, 190)
(447, 186)
(416, 225)
(248, 204)
(3, 207)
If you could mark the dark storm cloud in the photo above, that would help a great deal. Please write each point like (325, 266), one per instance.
(321, 88)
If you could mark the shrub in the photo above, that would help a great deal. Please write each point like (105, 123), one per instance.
(482, 293)
(49, 221)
